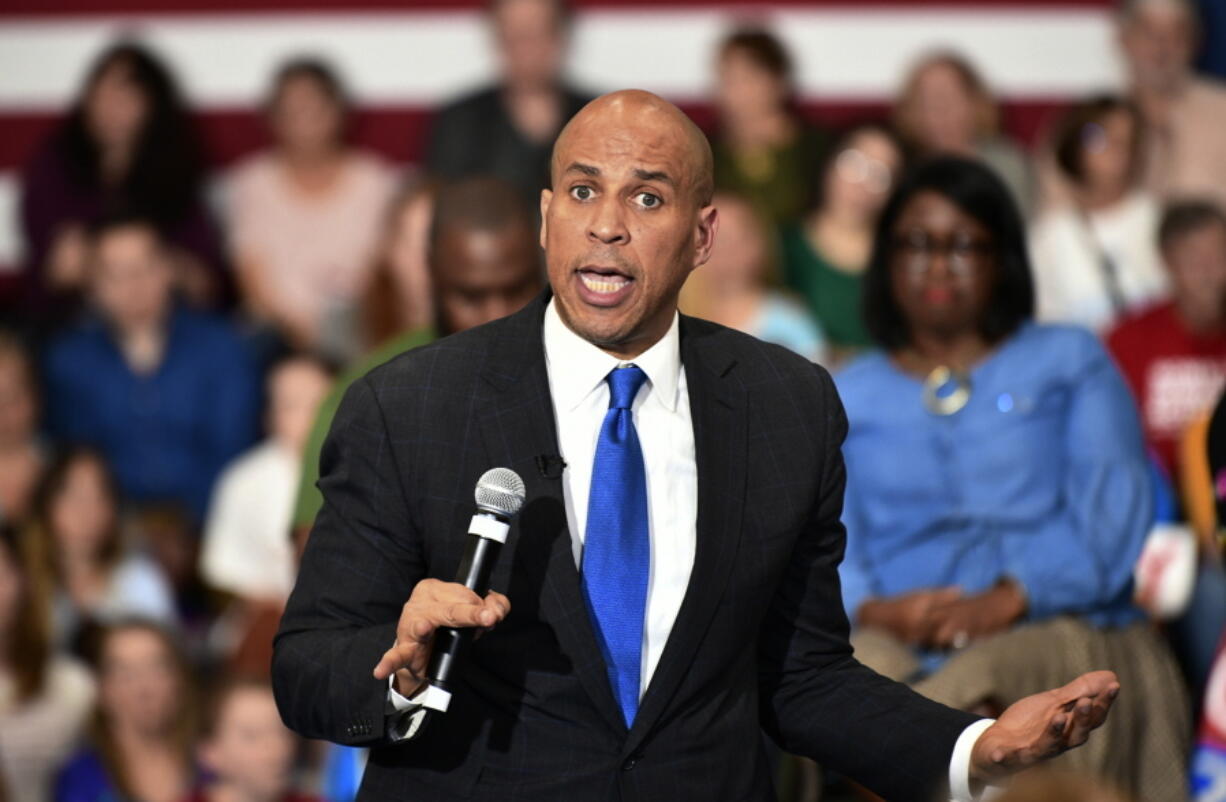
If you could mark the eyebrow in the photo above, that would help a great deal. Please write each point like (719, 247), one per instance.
(586, 169)
(654, 175)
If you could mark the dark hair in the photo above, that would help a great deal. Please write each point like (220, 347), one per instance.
(312, 69)
(1185, 216)
(29, 646)
(479, 202)
(167, 169)
(841, 143)
(763, 48)
(1069, 139)
(49, 488)
(118, 218)
(977, 191)
(14, 346)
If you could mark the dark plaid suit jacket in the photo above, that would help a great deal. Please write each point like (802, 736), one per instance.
(761, 639)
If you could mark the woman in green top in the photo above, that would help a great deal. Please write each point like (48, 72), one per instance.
(825, 253)
(764, 152)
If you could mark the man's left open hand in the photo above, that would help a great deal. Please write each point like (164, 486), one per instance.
(1042, 726)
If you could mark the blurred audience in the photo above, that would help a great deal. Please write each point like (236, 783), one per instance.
(44, 696)
(998, 562)
(88, 571)
(142, 734)
(21, 451)
(246, 750)
(764, 150)
(824, 254)
(1182, 113)
(945, 107)
(1095, 253)
(731, 288)
(507, 130)
(303, 216)
(247, 549)
(167, 393)
(484, 264)
(1173, 355)
(128, 144)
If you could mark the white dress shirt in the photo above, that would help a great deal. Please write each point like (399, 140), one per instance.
(577, 371)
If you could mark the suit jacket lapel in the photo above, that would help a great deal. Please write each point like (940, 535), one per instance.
(719, 410)
(517, 425)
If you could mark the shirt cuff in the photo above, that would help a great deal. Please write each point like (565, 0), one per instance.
(960, 763)
(404, 715)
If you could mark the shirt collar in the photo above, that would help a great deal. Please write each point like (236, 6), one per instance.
(577, 367)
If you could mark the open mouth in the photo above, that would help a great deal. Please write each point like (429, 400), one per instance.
(604, 286)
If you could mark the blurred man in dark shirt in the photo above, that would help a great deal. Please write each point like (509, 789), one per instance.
(507, 130)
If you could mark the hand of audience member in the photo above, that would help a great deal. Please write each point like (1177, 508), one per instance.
(908, 617)
(959, 622)
(1043, 726)
(434, 604)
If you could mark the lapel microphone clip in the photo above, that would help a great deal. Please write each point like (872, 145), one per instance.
(550, 466)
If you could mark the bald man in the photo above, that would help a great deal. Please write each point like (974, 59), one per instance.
(675, 584)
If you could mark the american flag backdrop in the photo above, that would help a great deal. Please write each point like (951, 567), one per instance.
(400, 59)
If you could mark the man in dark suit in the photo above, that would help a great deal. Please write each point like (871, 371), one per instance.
(675, 589)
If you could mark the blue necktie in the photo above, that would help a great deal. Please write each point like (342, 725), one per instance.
(617, 544)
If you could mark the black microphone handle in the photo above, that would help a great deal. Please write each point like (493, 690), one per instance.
(449, 642)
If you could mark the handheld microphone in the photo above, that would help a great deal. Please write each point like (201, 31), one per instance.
(500, 494)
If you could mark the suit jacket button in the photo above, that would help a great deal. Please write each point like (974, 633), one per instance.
(631, 762)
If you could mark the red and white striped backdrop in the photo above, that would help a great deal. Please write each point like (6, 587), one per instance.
(400, 58)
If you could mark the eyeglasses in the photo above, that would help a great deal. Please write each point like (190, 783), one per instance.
(963, 252)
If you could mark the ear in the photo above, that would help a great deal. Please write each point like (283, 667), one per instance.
(546, 199)
(704, 234)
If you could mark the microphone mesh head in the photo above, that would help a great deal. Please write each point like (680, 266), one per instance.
(501, 491)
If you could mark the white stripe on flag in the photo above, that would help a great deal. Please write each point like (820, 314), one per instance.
(420, 58)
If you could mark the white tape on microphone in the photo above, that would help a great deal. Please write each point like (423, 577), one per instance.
(489, 527)
(435, 698)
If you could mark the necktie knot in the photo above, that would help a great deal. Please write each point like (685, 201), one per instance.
(624, 384)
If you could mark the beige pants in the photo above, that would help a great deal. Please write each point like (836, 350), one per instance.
(1143, 747)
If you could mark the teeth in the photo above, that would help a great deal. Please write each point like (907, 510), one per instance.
(605, 285)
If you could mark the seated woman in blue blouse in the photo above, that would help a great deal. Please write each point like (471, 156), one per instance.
(997, 484)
